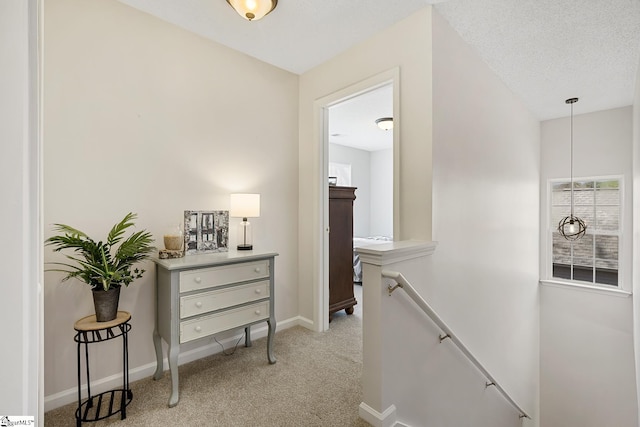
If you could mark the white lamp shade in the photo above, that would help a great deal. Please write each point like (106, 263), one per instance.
(252, 10)
(244, 205)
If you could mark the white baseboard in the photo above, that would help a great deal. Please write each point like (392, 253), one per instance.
(70, 395)
(285, 324)
(100, 385)
(377, 419)
(306, 323)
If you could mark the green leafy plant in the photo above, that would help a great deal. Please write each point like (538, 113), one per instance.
(102, 265)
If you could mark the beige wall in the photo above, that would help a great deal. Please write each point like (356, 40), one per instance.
(486, 165)
(386, 50)
(142, 116)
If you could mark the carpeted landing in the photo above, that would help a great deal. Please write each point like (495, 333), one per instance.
(315, 382)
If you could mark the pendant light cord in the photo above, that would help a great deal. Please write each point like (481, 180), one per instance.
(571, 101)
(571, 160)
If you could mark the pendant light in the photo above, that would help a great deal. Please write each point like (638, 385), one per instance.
(252, 10)
(571, 227)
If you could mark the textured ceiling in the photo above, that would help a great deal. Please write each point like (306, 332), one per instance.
(547, 51)
(544, 50)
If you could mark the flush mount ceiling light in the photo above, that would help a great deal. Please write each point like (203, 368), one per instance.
(571, 227)
(385, 123)
(252, 10)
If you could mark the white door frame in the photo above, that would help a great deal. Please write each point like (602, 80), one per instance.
(321, 112)
(21, 21)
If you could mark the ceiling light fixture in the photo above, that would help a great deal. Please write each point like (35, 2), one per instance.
(571, 227)
(252, 10)
(385, 123)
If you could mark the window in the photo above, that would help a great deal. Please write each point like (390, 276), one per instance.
(594, 258)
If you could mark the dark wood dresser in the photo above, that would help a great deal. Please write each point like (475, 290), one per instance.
(341, 249)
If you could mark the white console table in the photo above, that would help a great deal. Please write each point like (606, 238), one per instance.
(202, 295)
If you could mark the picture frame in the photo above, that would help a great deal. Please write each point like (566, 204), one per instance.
(206, 232)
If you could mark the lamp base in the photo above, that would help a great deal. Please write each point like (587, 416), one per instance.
(245, 247)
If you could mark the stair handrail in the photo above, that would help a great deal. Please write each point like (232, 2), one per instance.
(403, 283)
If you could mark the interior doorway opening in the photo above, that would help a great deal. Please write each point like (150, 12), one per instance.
(360, 170)
(339, 116)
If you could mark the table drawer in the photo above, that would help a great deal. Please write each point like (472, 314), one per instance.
(205, 302)
(214, 323)
(193, 280)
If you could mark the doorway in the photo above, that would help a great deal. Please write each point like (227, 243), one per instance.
(360, 162)
(340, 115)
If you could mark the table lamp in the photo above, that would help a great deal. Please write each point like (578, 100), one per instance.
(245, 206)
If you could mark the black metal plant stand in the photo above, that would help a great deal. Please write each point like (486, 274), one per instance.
(103, 405)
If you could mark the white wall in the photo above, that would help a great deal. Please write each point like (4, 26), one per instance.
(587, 371)
(143, 116)
(381, 210)
(372, 174)
(360, 161)
(486, 164)
(416, 379)
(20, 254)
(353, 66)
(636, 230)
(431, 383)
(587, 376)
(601, 147)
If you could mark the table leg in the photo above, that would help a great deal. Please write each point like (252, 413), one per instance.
(78, 414)
(157, 343)
(125, 373)
(129, 392)
(247, 336)
(174, 350)
(272, 327)
(86, 361)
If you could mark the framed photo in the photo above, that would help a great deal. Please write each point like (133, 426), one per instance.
(206, 231)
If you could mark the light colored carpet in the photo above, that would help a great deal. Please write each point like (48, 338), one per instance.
(315, 382)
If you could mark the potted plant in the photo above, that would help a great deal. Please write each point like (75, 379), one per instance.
(104, 266)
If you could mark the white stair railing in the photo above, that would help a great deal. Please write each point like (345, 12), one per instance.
(402, 283)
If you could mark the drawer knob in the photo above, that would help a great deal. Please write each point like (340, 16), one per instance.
(198, 329)
(199, 304)
(257, 312)
(258, 291)
(257, 270)
(198, 280)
